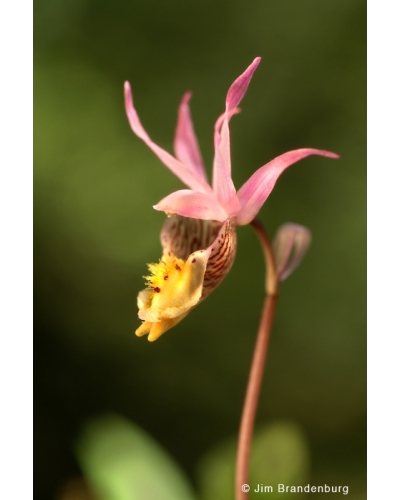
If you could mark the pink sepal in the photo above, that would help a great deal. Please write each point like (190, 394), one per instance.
(256, 190)
(178, 168)
(186, 146)
(192, 204)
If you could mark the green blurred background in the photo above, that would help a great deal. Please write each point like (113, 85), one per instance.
(95, 229)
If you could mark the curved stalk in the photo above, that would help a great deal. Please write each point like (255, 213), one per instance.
(257, 365)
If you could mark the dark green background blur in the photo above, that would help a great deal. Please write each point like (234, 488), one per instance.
(95, 228)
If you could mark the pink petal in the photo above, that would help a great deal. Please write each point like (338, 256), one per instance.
(239, 86)
(256, 190)
(291, 243)
(184, 173)
(219, 122)
(185, 144)
(222, 180)
(192, 204)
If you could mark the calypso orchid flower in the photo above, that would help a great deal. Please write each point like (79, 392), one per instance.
(199, 237)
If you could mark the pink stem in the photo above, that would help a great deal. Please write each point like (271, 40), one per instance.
(257, 366)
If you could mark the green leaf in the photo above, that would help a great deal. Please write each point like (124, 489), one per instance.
(122, 462)
(279, 455)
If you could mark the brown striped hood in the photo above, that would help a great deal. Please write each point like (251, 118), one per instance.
(197, 255)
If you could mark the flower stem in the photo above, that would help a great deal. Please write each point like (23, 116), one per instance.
(257, 365)
(271, 276)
